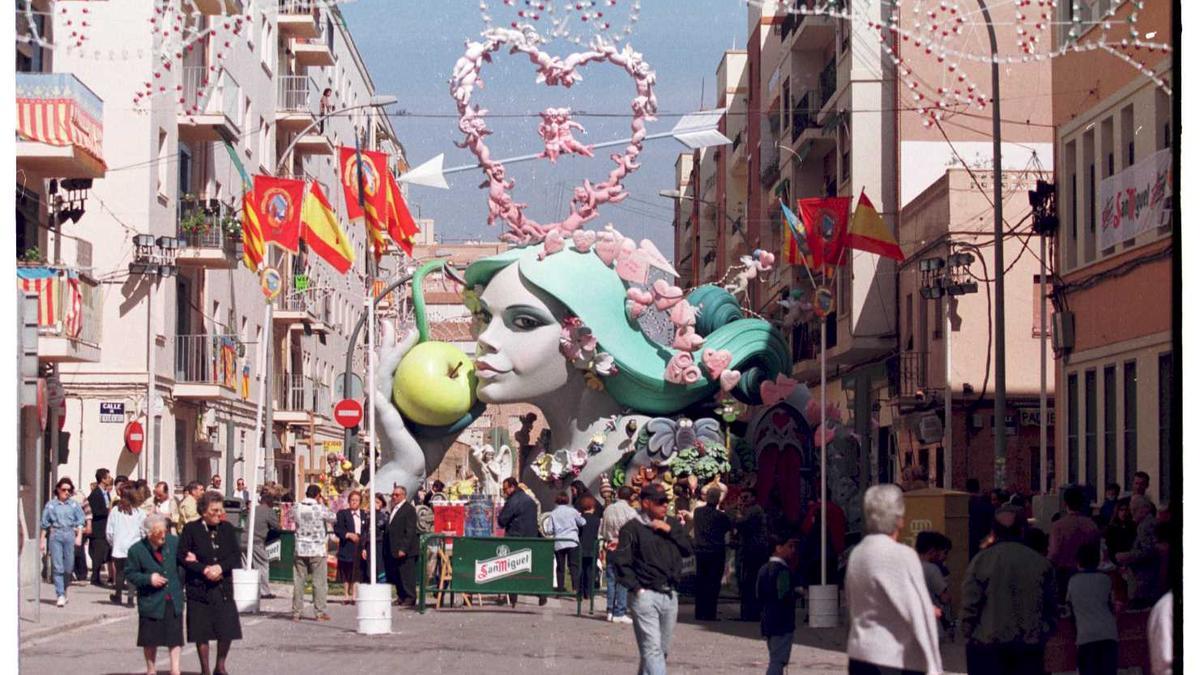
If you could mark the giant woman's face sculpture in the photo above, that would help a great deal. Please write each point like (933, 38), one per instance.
(517, 358)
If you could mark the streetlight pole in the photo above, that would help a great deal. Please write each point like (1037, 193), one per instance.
(1000, 407)
(376, 102)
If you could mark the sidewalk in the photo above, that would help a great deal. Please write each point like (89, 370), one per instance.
(86, 605)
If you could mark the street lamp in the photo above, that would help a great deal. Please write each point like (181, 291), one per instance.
(375, 102)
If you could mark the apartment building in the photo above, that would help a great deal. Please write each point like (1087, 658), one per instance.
(828, 113)
(184, 325)
(1114, 130)
(952, 217)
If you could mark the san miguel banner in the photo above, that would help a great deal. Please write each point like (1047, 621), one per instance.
(1136, 200)
(503, 565)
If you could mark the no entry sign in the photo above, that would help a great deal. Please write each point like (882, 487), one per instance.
(135, 436)
(348, 413)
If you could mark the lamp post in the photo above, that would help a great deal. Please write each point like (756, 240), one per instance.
(154, 259)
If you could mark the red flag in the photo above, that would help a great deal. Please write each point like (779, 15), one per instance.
(375, 207)
(401, 225)
(277, 202)
(825, 220)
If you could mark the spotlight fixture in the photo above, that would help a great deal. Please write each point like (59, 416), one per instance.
(143, 240)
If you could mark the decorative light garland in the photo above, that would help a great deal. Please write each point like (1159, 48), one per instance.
(596, 16)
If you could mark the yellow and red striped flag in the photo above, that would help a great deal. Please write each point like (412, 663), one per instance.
(868, 231)
(320, 230)
(252, 239)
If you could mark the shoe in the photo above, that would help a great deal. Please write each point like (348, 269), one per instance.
(61, 602)
(542, 600)
(324, 617)
(268, 596)
(622, 619)
(296, 616)
(114, 599)
(609, 617)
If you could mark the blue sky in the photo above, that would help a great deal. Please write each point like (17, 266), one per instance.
(410, 47)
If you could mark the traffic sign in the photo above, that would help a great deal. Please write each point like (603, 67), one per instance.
(135, 436)
(348, 413)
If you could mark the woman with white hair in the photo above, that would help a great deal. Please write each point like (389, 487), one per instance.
(892, 623)
(152, 569)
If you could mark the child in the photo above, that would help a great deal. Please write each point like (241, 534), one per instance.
(933, 548)
(776, 591)
(1089, 597)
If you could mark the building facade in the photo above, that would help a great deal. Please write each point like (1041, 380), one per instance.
(184, 326)
(1113, 346)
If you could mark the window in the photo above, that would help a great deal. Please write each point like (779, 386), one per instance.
(1089, 427)
(908, 322)
(1072, 428)
(1089, 196)
(1110, 425)
(1071, 207)
(1165, 375)
(163, 164)
(1129, 406)
(1127, 134)
(938, 317)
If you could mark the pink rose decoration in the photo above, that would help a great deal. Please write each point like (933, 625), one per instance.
(682, 369)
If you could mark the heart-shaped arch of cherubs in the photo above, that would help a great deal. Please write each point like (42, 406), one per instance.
(555, 126)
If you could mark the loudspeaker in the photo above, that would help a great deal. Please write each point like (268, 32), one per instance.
(1063, 337)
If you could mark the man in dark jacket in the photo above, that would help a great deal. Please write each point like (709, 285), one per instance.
(1009, 605)
(99, 502)
(750, 525)
(979, 517)
(649, 562)
(519, 518)
(711, 526)
(776, 591)
(403, 542)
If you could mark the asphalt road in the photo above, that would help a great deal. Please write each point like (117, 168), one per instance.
(490, 639)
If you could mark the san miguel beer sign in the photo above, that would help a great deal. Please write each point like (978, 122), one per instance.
(505, 564)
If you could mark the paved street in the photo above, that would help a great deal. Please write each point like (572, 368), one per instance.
(528, 639)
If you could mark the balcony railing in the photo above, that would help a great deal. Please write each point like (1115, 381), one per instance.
(804, 115)
(301, 393)
(299, 7)
(201, 96)
(57, 109)
(768, 157)
(208, 223)
(68, 307)
(298, 93)
(827, 84)
(207, 359)
(914, 372)
(315, 302)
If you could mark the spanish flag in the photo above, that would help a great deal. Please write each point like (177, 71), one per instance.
(869, 233)
(252, 239)
(320, 230)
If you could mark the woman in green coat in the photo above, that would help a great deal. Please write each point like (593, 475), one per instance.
(152, 568)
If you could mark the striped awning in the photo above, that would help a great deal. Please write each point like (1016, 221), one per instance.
(60, 300)
(57, 109)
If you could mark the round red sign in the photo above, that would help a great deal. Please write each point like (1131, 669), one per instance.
(135, 436)
(348, 413)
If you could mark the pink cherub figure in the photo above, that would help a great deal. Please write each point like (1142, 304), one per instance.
(555, 130)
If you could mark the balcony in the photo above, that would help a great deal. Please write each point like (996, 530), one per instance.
(69, 313)
(768, 160)
(314, 143)
(827, 84)
(315, 51)
(300, 398)
(299, 18)
(60, 126)
(299, 100)
(812, 32)
(210, 231)
(218, 7)
(807, 130)
(206, 367)
(914, 373)
(209, 113)
(308, 309)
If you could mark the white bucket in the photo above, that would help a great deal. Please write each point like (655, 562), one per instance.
(823, 606)
(245, 590)
(374, 609)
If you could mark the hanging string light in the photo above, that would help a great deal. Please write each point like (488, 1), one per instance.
(574, 21)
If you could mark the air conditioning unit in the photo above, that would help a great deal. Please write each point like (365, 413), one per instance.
(976, 421)
(929, 429)
(1063, 337)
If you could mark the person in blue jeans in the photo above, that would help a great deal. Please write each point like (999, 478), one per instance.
(616, 514)
(649, 562)
(62, 531)
(775, 589)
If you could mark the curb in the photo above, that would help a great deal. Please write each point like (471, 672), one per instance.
(69, 626)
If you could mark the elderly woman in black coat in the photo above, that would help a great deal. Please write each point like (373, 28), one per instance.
(152, 568)
(208, 553)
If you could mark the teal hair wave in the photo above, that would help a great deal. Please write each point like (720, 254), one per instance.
(592, 291)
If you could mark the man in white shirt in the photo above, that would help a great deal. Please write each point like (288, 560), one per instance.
(242, 493)
(1160, 629)
(312, 549)
(162, 502)
(215, 484)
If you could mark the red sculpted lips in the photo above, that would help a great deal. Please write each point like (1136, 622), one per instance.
(485, 370)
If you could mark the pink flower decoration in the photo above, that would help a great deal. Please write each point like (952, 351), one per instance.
(682, 369)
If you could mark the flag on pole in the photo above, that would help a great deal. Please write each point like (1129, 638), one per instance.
(825, 221)
(401, 226)
(379, 202)
(795, 246)
(320, 230)
(869, 233)
(277, 202)
(252, 239)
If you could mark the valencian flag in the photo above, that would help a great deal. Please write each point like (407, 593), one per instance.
(795, 245)
(869, 233)
(382, 204)
(277, 202)
(825, 221)
(320, 230)
(252, 238)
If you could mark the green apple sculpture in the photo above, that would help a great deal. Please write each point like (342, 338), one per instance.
(434, 384)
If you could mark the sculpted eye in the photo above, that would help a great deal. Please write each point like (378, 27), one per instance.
(522, 322)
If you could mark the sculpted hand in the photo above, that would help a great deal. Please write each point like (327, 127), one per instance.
(404, 458)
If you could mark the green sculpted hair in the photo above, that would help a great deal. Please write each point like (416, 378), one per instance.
(592, 291)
